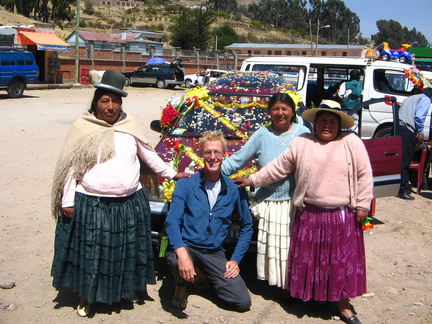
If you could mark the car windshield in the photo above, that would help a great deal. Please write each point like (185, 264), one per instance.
(236, 105)
(233, 115)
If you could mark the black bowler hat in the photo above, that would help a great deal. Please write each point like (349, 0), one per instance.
(112, 81)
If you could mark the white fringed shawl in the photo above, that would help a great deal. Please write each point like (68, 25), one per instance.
(88, 140)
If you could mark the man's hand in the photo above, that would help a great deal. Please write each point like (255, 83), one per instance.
(242, 182)
(232, 269)
(68, 212)
(420, 138)
(185, 264)
(361, 216)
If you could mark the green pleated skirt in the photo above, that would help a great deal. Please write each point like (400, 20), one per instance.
(104, 253)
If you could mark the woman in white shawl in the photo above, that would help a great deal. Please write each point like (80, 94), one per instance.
(103, 247)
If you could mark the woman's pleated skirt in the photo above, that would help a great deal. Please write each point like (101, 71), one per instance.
(104, 253)
(327, 255)
(274, 230)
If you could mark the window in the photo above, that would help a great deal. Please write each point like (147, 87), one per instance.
(389, 81)
(249, 51)
(323, 53)
(296, 53)
(333, 76)
(278, 52)
(303, 52)
(269, 52)
(6, 60)
(336, 54)
(257, 52)
(290, 74)
(288, 52)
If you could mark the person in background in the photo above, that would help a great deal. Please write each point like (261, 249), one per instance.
(412, 115)
(332, 199)
(274, 208)
(199, 221)
(182, 68)
(103, 248)
(351, 91)
(206, 75)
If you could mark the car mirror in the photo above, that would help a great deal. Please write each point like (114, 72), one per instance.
(156, 126)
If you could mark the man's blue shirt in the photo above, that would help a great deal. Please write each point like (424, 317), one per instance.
(191, 222)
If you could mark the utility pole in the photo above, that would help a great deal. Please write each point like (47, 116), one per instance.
(78, 7)
(348, 44)
(310, 31)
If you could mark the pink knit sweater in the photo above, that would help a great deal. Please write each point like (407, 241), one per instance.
(327, 174)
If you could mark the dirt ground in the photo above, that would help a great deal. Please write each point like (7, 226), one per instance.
(32, 132)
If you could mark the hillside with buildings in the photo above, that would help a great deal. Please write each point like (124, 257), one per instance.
(156, 19)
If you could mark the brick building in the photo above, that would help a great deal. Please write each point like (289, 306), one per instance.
(118, 3)
(296, 49)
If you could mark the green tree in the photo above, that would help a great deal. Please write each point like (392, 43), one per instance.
(192, 28)
(88, 7)
(342, 21)
(61, 11)
(392, 32)
(229, 6)
(286, 14)
(226, 35)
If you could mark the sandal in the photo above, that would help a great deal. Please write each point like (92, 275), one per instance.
(83, 310)
(180, 302)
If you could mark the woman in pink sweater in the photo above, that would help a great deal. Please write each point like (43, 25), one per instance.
(333, 195)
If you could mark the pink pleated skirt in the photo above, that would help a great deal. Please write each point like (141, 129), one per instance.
(327, 255)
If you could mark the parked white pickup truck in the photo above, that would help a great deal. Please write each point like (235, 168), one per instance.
(193, 80)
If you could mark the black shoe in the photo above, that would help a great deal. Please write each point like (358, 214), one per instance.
(405, 195)
(351, 320)
(425, 186)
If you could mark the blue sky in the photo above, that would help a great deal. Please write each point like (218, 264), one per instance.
(409, 13)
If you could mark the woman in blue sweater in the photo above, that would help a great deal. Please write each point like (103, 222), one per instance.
(274, 208)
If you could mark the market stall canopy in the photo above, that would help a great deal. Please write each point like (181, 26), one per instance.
(44, 41)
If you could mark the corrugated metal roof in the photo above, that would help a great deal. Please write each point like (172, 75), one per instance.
(114, 37)
(87, 35)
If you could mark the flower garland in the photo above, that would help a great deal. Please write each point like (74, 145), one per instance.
(414, 77)
(222, 119)
(168, 186)
(296, 97)
(367, 224)
(168, 115)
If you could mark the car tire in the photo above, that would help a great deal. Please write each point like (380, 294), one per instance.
(189, 83)
(385, 131)
(16, 89)
(128, 82)
(385, 57)
(161, 84)
(403, 59)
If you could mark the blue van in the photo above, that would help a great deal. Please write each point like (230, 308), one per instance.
(17, 69)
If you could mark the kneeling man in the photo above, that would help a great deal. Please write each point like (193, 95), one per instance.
(198, 223)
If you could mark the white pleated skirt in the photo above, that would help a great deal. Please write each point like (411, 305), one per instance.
(274, 231)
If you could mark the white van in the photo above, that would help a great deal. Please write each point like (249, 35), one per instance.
(316, 77)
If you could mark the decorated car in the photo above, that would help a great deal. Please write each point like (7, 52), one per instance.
(236, 104)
